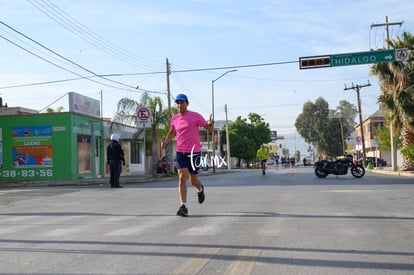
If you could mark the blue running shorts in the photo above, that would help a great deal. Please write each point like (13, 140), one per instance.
(192, 161)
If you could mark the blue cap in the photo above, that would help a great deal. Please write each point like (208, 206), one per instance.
(181, 97)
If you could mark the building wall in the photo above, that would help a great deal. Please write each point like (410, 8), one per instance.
(371, 124)
(134, 164)
(50, 146)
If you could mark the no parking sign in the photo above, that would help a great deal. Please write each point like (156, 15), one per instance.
(144, 117)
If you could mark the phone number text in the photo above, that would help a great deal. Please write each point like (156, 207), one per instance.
(26, 173)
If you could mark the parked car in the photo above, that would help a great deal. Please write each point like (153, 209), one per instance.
(374, 161)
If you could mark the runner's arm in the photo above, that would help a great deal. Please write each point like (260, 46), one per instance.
(168, 138)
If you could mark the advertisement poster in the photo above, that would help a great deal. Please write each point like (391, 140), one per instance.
(84, 105)
(84, 155)
(32, 146)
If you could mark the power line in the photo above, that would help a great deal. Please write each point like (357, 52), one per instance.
(21, 41)
(74, 79)
(234, 67)
(141, 73)
(56, 65)
(66, 59)
(53, 102)
(212, 68)
(158, 72)
(61, 56)
(62, 18)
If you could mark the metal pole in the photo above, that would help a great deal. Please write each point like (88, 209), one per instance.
(169, 150)
(362, 126)
(227, 140)
(101, 104)
(212, 133)
(392, 134)
(212, 106)
(342, 135)
(357, 88)
(145, 149)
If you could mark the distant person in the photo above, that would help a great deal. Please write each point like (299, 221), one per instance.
(185, 126)
(292, 162)
(115, 156)
(262, 154)
(304, 161)
(277, 162)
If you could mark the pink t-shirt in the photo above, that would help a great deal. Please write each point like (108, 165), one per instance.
(186, 130)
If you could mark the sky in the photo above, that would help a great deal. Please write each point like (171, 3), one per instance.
(50, 48)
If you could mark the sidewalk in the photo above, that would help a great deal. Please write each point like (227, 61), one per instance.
(79, 182)
(388, 171)
(139, 178)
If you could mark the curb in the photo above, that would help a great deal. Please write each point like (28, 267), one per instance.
(393, 173)
(98, 181)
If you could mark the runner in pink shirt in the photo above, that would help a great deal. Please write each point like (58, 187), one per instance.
(185, 125)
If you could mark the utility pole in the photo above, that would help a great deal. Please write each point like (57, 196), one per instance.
(169, 152)
(357, 88)
(101, 105)
(392, 134)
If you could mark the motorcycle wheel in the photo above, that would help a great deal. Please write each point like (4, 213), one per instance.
(320, 174)
(357, 171)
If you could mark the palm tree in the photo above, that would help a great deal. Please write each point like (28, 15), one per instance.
(57, 110)
(127, 114)
(397, 98)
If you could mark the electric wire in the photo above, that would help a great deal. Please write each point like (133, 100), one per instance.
(180, 71)
(34, 49)
(62, 18)
(66, 59)
(41, 110)
(151, 73)
(61, 56)
(56, 65)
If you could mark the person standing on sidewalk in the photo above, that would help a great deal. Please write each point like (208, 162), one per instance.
(262, 154)
(185, 126)
(115, 155)
(276, 162)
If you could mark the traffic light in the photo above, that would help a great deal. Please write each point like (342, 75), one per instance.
(312, 62)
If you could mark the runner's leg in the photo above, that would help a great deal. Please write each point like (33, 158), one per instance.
(182, 184)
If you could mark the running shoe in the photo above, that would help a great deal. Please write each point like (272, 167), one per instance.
(182, 211)
(201, 196)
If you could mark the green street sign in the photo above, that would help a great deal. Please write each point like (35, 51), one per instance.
(361, 58)
(348, 59)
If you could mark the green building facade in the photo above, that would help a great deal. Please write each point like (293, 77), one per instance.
(52, 146)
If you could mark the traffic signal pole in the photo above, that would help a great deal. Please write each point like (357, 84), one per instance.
(393, 140)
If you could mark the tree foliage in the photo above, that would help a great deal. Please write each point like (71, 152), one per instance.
(325, 128)
(246, 135)
(383, 138)
(408, 152)
(127, 114)
(57, 110)
(397, 93)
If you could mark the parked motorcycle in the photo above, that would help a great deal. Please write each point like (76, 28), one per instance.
(338, 167)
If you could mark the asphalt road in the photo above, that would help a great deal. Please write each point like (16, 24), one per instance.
(286, 222)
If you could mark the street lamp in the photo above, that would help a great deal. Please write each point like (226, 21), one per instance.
(212, 109)
(227, 139)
